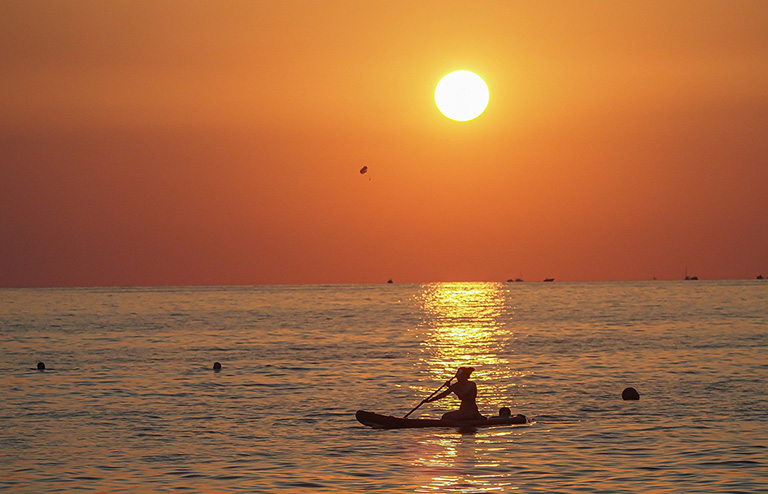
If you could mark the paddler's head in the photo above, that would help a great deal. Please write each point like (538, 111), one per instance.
(464, 372)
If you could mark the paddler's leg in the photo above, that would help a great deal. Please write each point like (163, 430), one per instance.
(454, 415)
(463, 415)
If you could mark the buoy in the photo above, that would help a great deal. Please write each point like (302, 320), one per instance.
(630, 394)
(216, 366)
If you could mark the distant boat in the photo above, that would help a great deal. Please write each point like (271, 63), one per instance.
(514, 280)
(390, 281)
(547, 280)
(689, 278)
(759, 277)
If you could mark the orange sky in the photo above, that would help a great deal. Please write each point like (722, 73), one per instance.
(219, 142)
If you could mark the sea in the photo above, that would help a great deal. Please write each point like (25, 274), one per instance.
(129, 400)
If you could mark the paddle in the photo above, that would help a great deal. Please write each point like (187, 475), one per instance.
(428, 397)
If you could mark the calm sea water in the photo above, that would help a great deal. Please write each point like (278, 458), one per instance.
(129, 401)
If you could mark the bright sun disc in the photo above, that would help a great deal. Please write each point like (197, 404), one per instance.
(461, 95)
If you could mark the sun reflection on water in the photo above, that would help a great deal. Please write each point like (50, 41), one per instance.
(465, 324)
(462, 322)
(460, 463)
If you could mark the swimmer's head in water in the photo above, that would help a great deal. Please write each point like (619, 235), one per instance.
(505, 412)
(40, 366)
(464, 372)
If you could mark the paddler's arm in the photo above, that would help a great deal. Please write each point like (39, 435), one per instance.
(441, 395)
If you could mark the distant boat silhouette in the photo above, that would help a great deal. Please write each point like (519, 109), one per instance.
(689, 278)
(514, 280)
(549, 279)
(759, 277)
(390, 281)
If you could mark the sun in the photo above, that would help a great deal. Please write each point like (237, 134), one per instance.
(461, 95)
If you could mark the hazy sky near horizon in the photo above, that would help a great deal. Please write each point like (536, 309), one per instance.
(219, 142)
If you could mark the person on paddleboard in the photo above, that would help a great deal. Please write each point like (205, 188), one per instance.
(466, 391)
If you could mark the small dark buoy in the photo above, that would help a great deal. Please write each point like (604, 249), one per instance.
(40, 366)
(505, 412)
(216, 366)
(630, 394)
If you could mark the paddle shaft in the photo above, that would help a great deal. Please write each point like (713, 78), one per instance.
(428, 397)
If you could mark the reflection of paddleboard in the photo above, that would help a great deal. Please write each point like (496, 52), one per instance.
(378, 421)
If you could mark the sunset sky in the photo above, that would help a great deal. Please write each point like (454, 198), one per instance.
(152, 142)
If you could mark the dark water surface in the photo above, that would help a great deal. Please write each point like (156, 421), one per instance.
(129, 403)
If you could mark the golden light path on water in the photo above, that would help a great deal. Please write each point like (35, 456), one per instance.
(464, 324)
